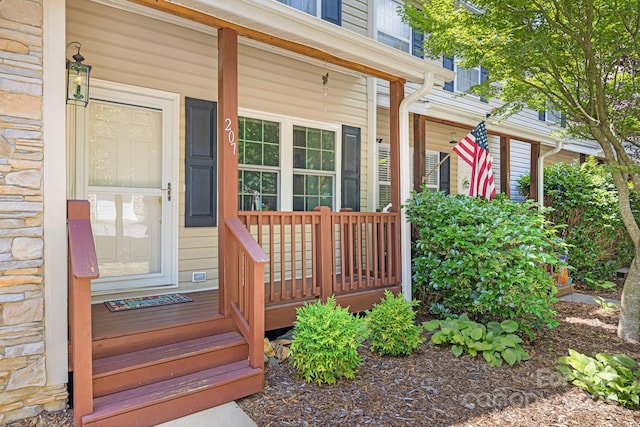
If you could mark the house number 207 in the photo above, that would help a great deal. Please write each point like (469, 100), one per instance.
(231, 136)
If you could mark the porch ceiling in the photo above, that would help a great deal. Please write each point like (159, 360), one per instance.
(274, 23)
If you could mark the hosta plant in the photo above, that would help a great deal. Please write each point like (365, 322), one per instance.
(495, 341)
(326, 338)
(613, 378)
(392, 327)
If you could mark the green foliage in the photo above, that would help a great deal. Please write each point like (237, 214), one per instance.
(613, 378)
(326, 342)
(392, 328)
(483, 258)
(496, 341)
(585, 202)
(606, 306)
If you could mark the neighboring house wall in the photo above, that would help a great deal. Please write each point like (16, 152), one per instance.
(132, 49)
(23, 381)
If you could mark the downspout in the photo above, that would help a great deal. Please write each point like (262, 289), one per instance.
(405, 180)
(541, 171)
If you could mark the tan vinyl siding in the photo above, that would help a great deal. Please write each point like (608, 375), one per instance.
(354, 16)
(128, 48)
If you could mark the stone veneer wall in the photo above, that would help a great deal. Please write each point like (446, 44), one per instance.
(23, 380)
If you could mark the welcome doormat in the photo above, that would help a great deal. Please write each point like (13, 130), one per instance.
(144, 302)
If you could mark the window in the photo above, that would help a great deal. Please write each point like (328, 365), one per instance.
(307, 6)
(432, 158)
(314, 166)
(259, 164)
(329, 10)
(391, 30)
(465, 78)
(384, 176)
(306, 176)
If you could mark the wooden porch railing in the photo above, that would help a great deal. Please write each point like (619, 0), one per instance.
(83, 267)
(247, 298)
(317, 254)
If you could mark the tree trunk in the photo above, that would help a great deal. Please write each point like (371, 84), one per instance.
(629, 325)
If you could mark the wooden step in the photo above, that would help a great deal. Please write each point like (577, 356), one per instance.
(176, 397)
(125, 371)
(113, 345)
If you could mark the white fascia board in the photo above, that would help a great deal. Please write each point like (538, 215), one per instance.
(279, 20)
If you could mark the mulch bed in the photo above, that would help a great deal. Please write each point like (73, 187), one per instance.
(434, 388)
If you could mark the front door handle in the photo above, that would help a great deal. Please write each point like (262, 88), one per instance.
(168, 190)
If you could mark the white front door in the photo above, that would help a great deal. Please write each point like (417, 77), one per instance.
(127, 171)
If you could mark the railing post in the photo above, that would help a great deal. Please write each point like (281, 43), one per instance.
(83, 266)
(324, 252)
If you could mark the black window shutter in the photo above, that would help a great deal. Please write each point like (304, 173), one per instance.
(332, 11)
(563, 120)
(416, 43)
(201, 163)
(447, 62)
(445, 179)
(484, 75)
(351, 168)
(541, 115)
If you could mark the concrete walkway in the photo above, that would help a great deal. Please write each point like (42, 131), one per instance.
(227, 415)
(585, 299)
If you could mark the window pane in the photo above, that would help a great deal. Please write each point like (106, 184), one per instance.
(313, 136)
(314, 160)
(328, 161)
(257, 190)
(271, 132)
(253, 130)
(271, 155)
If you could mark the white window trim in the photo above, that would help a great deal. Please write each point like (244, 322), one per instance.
(285, 189)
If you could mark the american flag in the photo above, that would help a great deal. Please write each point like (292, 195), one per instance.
(474, 150)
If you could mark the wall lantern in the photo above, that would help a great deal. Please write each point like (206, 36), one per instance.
(453, 138)
(77, 78)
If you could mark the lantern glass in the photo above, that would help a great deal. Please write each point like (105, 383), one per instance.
(78, 83)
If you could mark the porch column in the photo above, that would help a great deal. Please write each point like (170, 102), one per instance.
(533, 181)
(419, 150)
(505, 165)
(227, 158)
(396, 94)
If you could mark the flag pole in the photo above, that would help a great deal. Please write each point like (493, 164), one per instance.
(424, 178)
(444, 159)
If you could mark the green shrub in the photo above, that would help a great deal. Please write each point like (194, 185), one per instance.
(496, 341)
(484, 259)
(613, 378)
(392, 328)
(325, 343)
(585, 202)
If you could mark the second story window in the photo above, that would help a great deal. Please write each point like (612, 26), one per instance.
(308, 6)
(391, 30)
(329, 10)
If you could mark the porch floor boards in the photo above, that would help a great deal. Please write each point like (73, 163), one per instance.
(107, 324)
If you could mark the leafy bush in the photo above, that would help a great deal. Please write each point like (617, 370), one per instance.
(325, 343)
(613, 378)
(392, 328)
(496, 341)
(484, 259)
(585, 202)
